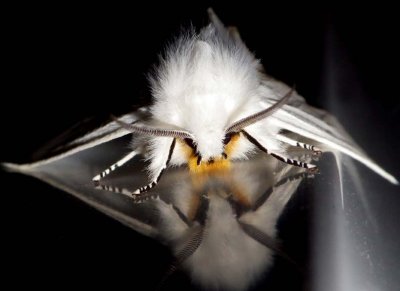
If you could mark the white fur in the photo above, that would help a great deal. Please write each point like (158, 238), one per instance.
(205, 82)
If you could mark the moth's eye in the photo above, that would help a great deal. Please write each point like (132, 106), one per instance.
(190, 143)
(227, 138)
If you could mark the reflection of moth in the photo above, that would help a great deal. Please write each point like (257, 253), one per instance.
(213, 104)
(222, 229)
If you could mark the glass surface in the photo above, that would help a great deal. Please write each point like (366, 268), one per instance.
(223, 228)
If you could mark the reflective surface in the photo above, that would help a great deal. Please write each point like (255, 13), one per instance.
(222, 229)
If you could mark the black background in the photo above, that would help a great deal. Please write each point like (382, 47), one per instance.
(63, 63)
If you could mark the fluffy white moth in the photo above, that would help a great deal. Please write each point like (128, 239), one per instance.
(212, 104)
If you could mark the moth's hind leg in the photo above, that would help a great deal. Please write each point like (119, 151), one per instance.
(96, 179)
(310, 167)
(295, 143)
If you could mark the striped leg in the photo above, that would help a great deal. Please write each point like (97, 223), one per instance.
(295, 143)
(118, 164)
(126, 192)
(312, 168)
(160, 172)
(113, 189)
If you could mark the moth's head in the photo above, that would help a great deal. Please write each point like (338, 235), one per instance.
(211, 143)
(208, 143)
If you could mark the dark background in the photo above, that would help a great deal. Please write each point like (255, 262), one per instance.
(63, 63)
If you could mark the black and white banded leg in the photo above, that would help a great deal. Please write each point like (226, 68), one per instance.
(114, 166)
(113, 189)
(296, 143)
(160, 172)
(127, 192)
(312, 168)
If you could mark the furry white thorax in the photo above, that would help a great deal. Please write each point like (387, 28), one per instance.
(204, 84)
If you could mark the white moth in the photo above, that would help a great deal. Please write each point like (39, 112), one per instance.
(212, 104)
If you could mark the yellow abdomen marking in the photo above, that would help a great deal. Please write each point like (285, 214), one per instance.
(219, 163)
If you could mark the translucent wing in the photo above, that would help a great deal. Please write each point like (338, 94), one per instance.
(319, 125)
(92, 134)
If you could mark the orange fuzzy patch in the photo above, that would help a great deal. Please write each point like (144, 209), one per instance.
(229, 148)
(219, 164)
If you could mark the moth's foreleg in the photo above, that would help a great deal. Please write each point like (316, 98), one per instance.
(114, 166)
(295, 143)
(312, 168)
(96, 179)
(159, 173)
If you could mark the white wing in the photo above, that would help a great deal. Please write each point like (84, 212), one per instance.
(303, 119)
(319, 125)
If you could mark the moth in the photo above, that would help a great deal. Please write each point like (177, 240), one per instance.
(213, 104)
